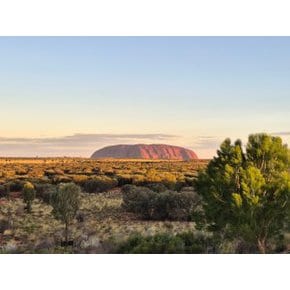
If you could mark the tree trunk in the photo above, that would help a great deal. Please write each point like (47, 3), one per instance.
(28, 207)
(66, 234)
(262, 246)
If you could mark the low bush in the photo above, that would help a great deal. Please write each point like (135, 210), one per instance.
(49, 172)
(173, 205)
(166, 205)
(57, 179)
(139, 200)
(157, 187)
(99, 184)
(124, 179)
(80, 179)
(152, 176)
(21, 171)
(184, 243)
(44, 191)
(3, 191)
(4, 225)
(15, 186)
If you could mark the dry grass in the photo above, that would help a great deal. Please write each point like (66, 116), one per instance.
(102, 218)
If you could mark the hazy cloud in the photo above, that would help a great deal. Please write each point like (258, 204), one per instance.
(74, 145)
(207, 142)
(281, 133)
(85, 144)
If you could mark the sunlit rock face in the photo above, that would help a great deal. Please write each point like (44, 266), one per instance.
(143, 151)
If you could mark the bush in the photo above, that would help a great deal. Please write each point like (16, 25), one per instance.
(3, 191)
(66, 202)
(80, 179)
(166, 205)
(4, 225)
(16, 186)
(28, 193)
(57, 179)
(139, 200)
(44, 191)
(157, 187)
(152, 176)
(99, 184)
(124, 179)
(184, 243)
(21, 171)
(49, 172)
(169, 180)
(172, 205)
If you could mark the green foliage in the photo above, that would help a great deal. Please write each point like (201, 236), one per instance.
(99, 184)
(66, 201)
(173, 205)
(139, 200)
(184, 243)
(268, 154)
(245, 194)
(157, 187)
(3, 191)
(4, 225)
(166, 205)
(28, 194)
(16, 186)
(44, 191)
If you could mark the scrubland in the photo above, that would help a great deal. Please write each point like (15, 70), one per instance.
(238, 202)
(102, 222)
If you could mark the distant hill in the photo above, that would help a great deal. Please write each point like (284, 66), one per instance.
(143, 151)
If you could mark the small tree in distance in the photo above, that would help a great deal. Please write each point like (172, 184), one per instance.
(65, 202)
(245, 194)
(28, 194)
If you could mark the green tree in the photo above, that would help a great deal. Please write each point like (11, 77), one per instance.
(65, 202)
(28, 193)
(245, 193)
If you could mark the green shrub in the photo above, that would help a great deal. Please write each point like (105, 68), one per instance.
(99, 184)
(44, 191)
(166, 205)
(66, 202)
(173, 205)
(157, 187)
(139, 200)
(4, 225)
(3, 191)
(124, 179)
(184, 243)
(16, 186)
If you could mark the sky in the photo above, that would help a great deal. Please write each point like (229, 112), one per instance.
(68, 96)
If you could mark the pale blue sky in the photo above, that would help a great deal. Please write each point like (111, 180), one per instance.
(199, 89)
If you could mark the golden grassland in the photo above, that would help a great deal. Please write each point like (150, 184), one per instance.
(69, 168)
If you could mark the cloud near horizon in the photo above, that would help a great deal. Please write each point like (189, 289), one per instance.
(84, 145)
(75, 145)
(285, 133)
